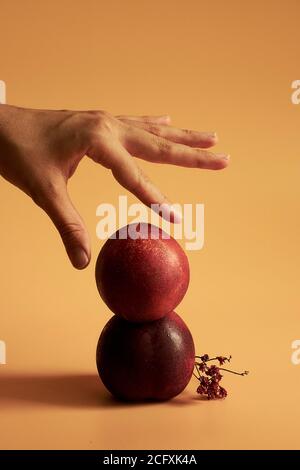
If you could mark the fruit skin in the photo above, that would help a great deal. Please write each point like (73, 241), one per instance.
(142, 279)
(149, 361)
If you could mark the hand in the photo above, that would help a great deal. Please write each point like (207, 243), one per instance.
(40, 150)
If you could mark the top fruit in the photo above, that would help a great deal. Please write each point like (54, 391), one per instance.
(142, 273)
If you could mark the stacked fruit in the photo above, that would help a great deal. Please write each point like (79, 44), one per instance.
(145, 351)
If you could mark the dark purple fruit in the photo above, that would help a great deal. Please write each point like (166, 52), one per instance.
(150, 361)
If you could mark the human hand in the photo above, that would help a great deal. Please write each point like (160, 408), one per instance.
(41, 149)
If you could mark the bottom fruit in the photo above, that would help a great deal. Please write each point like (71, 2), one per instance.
(146, 361)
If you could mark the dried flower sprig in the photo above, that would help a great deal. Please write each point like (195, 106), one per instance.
(209, 377)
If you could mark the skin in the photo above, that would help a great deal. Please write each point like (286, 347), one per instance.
(41, 149)
(146, 361)
(142, 279)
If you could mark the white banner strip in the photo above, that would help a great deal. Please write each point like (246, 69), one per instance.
(2, 92)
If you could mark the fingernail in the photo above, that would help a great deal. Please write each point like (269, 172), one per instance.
(79, 258)
(223, 156)
(212, 135)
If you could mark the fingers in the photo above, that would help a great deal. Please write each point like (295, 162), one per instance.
(69, 224)
(131, 177)
(182, 136)
(163, 119)
(147, 146)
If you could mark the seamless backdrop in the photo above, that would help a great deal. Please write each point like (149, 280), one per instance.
(224, 66)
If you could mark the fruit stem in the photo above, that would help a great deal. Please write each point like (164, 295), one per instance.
(213, 358)
(197, 369)
(246, 372)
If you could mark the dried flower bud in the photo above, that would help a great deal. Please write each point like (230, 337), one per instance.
(209, 376)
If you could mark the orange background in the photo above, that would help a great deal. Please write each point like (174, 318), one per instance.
(224, 66)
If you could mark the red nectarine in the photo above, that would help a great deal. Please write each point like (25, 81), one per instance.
(145, 278)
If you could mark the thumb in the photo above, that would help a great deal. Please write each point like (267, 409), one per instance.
(69, 224)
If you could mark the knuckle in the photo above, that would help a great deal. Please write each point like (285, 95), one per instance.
(103, 121)
(202, 158)
(128, 128)
(71, 233)
(188, 132)
(100, 122)
(154, 129)
(165, 147)
(138, 182)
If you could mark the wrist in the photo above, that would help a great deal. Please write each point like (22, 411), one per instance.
(9, 116)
